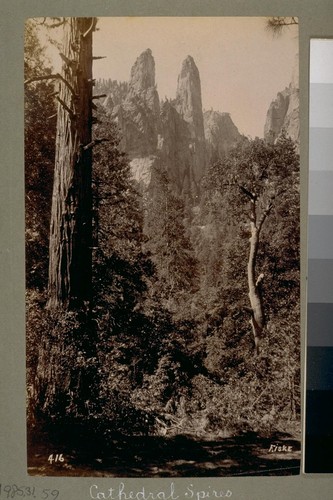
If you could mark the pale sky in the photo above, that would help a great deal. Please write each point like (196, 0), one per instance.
(241, 65)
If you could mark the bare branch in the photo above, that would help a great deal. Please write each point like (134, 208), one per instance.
(250, 195)
(56, 76)
(64, 105)
(94, 143)
(68, 85)
(265, 213)
(68, 61)
(40, 78)
(91, 27)
(100, 96)
(259, 279)
(99, 57)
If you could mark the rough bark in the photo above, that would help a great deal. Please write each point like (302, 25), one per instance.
(71, 227)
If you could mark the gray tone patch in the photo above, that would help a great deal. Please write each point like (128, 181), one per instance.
(320, 193)
(320, 325)
(320, 281)
(319, 369)
(321, 149)
(321, 105)
(320, 237)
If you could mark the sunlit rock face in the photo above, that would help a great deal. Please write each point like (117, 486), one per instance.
(188, 103)
(221, 134)
(143, 73)
(283, 113)
(138, 112)
(174, 134)
(142, 169)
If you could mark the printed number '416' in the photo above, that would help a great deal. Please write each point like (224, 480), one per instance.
(56, 458)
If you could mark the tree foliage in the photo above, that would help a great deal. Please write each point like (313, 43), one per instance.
(260, 175)
(166, 344)
(169, 243)
(277, 24)
(39, 140)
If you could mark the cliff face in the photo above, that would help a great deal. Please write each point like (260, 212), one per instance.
(188, 98)
(221, 134)
(175, 151)
(142, 88)
(283, 113)
(138, 112)
(143, 73)
(174, 134)
(189, 105)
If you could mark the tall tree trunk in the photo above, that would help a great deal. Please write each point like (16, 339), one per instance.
(70, 258)
(257, 318)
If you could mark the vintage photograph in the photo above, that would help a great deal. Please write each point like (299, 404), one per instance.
(162, 246)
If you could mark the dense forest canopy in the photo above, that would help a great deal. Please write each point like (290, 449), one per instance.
(191, 320)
